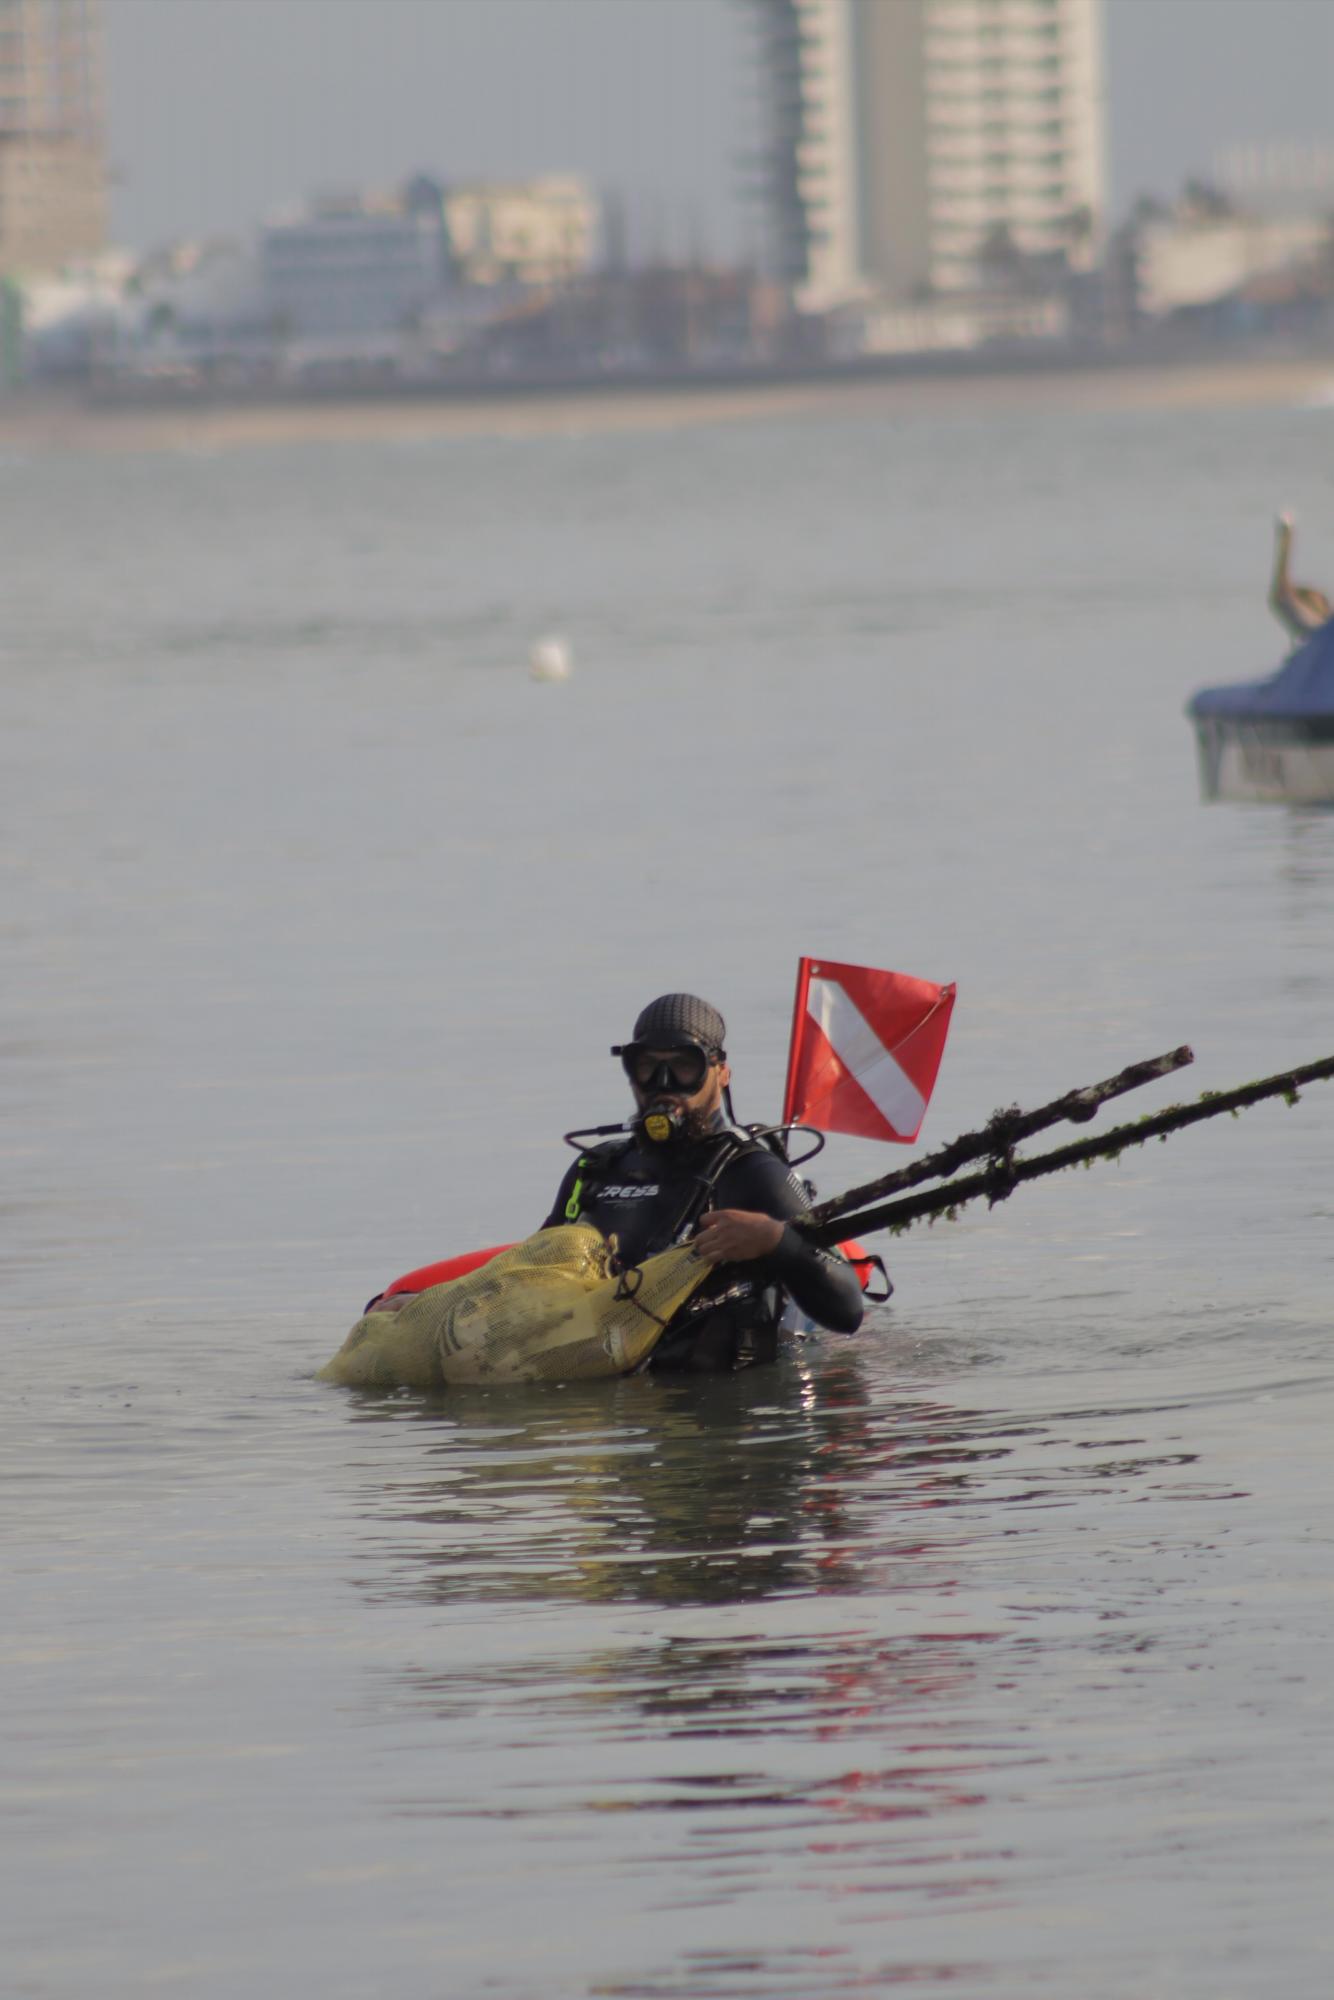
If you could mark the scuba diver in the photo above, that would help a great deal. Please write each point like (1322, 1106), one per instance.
(681, 1169)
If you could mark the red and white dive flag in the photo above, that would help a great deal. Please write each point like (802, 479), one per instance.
(866, 1047)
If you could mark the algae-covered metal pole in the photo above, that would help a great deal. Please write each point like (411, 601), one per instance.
(1003, 1173)
(1004, 1130)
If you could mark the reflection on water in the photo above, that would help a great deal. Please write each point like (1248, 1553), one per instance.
(677, 1493)
(862, 1626)
(1306, 862)
(1306, 877)
(674, 1492)
(796, 1484)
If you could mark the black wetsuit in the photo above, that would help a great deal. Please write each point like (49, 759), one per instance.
(651, 1196)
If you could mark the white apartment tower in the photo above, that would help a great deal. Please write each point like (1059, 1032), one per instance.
(908, 140)
(52, 158)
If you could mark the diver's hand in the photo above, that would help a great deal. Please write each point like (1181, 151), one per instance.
(737, 1235)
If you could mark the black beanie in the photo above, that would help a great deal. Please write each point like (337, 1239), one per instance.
(681, 1017)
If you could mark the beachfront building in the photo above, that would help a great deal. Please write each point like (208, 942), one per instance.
(343, 267)
(913, 148)
(807, 159)
(1283, 178)
(52, 153)
(367, 263)
(1205, 249)
(538, 232)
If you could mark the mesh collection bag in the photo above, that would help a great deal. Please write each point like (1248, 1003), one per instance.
(548, 1309)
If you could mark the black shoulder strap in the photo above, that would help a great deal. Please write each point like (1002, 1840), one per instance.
(733, 1144)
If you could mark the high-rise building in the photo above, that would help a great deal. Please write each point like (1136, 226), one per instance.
(913, 145)
(52, 153)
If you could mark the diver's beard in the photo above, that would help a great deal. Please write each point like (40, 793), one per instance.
(698, 1123)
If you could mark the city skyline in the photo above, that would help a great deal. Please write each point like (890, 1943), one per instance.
(221, 110)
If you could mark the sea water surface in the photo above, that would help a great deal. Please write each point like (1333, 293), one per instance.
(988, 1650)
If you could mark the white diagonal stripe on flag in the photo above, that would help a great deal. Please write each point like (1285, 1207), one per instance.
(860, 1050)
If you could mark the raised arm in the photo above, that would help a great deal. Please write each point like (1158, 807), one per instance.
(1299, 608)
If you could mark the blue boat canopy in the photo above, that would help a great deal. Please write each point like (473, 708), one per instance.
(1303, 687)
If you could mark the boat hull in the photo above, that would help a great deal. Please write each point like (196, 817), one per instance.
(1266, 760)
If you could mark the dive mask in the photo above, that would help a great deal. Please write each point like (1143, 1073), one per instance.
(676, 1072)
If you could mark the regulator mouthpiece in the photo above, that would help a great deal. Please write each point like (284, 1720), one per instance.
(662, 1123)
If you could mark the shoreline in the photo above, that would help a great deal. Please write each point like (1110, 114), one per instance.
(67, 423)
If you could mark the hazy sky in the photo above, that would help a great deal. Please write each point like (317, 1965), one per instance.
(221, 110)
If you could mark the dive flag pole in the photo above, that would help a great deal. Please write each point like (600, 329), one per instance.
(794, 1044)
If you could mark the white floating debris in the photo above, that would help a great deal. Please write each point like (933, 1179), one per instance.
(549, 659)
